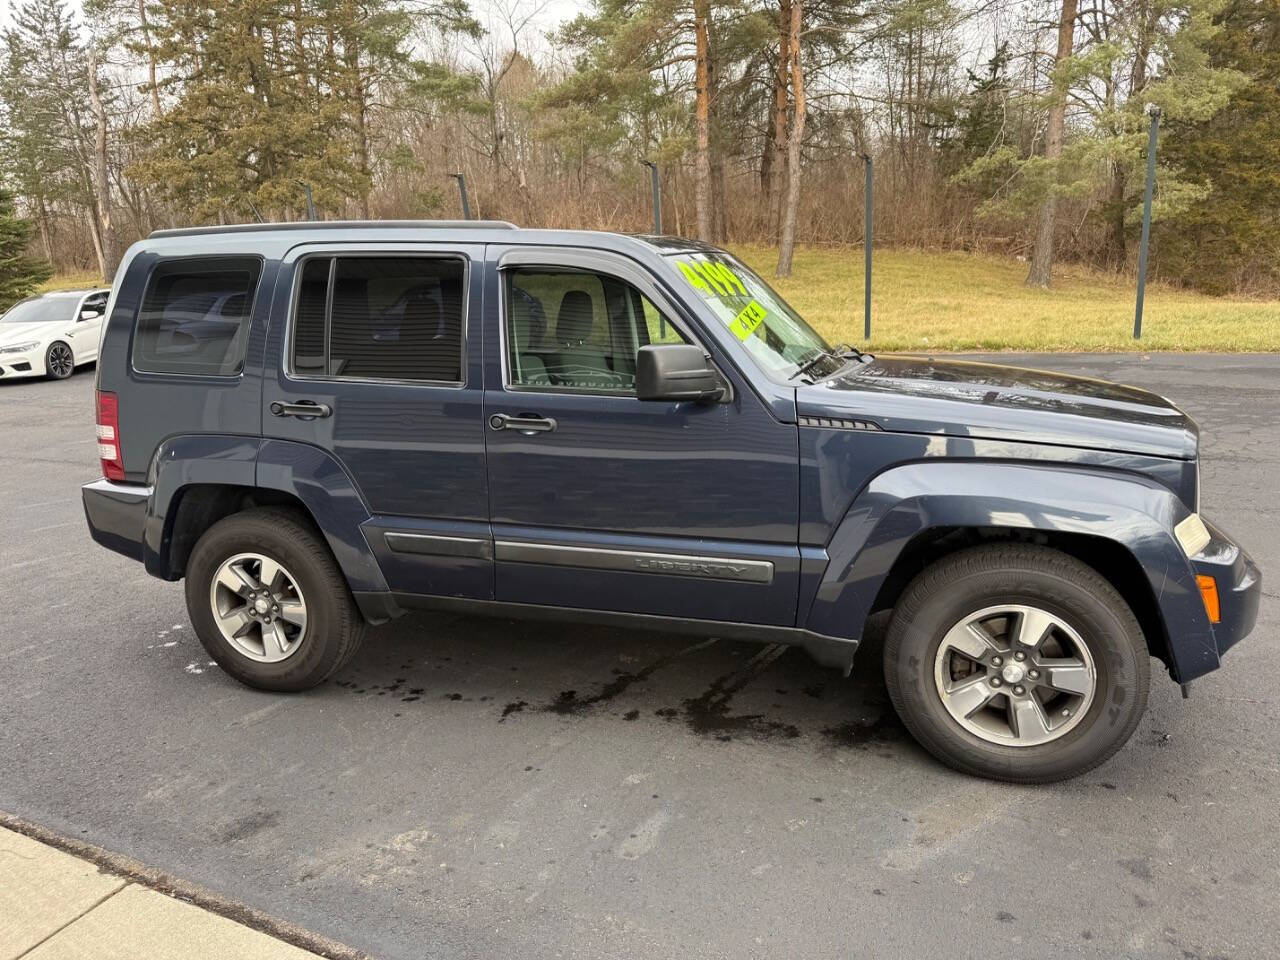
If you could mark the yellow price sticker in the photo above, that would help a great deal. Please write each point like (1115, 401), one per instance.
(748, 321)
(712, 278)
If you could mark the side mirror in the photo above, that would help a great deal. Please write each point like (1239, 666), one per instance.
(676, 371)
(90, 314)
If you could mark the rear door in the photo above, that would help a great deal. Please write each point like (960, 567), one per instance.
(381, 367)
(602, 501)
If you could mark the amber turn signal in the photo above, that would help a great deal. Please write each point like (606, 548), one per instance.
(1209, 594)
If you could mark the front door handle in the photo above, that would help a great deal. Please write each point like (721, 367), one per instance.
(306, 409)
(525, 424)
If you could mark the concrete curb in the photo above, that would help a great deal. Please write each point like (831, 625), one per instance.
(136, 872)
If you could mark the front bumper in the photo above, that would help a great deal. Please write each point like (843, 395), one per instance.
(14, 365)
(116, 513)
(1239, 587)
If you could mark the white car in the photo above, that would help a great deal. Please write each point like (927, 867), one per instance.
(52, 334)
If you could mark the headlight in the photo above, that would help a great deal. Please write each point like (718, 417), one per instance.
(1192, 535)
(20, 347)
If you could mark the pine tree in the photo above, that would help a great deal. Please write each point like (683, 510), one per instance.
(1231, 236)
(20, 273)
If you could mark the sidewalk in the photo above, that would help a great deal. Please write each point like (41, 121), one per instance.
(56, 906)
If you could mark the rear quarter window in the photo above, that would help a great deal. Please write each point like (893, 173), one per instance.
(195, 315)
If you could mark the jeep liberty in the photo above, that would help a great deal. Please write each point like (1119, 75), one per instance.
(319, 426)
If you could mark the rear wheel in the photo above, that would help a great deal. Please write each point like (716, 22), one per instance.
(1016, 662)
(269, 602)
(59, 361)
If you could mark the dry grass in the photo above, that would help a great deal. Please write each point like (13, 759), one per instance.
(957, 301)
(82, 280)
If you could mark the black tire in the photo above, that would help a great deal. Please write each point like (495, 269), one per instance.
(59, 361)
(974, 579)
(334, 627)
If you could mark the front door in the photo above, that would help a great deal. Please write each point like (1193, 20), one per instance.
(384, 341)
(602, 501)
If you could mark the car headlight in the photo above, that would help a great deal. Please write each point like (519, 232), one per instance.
(1192, 535)
(20, 347)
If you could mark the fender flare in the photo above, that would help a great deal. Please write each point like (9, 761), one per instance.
(310, 474)
(905, 501)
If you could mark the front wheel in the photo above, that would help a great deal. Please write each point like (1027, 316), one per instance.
(1016, 662)
(269, 602)
(59, 361)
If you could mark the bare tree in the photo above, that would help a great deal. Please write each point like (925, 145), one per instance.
(788, 243)
(702, 121)
(1042, 254)
(100, 172)
(778, 148)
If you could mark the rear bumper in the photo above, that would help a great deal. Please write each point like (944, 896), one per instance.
(116, 513)
(1239, 587)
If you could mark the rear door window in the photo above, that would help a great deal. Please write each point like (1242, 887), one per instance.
(380, 318)
(195, 316)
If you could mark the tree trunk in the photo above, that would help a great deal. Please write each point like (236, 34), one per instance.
(788, 244)
(716, 143)
(1137, 83)
(101, 175)
(779, 145)
(1042, 254)
(151, 59)
(1119, 242)
(702, 79)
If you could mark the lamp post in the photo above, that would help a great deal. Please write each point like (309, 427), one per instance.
(657, 195)
(1153, 112)
(311, 205)
(866, 282)
(462, 192)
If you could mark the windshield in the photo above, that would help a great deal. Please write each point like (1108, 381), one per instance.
(773, 333)
(42, 310)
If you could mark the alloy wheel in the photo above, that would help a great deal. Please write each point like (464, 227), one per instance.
(61, 361)
(258, 607)
(1015, 675)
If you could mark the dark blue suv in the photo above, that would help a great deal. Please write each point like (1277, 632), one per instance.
(319, 426)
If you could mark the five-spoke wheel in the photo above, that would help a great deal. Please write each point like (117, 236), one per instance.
(269, 601)
(258, 607)
(1016, 661)
(1015, 674)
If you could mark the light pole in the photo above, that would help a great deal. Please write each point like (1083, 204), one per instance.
(657, 195)
(1153, 112)
(311, 205)
(866, 282)
(462, 192)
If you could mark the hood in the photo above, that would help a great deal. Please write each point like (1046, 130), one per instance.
(963, 398)
(22, 332)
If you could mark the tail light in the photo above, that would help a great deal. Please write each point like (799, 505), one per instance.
(109, 450)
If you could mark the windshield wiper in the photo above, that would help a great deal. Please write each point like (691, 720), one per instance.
(845, 351)
(812, 362)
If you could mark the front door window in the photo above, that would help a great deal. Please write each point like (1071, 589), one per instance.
(578, 330)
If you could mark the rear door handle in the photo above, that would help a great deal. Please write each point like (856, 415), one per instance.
(307, 409)
(525, 424)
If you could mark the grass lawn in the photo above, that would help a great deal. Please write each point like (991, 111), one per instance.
(924, 301)
(73, 281)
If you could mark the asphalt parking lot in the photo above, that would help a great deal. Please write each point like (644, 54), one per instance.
(477, 788)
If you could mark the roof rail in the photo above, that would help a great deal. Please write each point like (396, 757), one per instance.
(337, 225)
